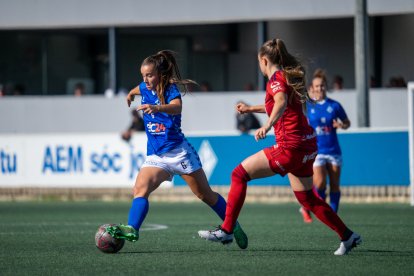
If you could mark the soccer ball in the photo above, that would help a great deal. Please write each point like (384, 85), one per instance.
(105, 242)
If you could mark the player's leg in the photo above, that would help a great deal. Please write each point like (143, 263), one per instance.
(302, 187)
(187, 163)
(148, 179)
(197, 181)
(255, 166)
(320, 173)
(334, 172)
(319, 181)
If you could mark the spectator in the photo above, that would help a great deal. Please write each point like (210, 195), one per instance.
(79, 89)
(246, 121)
(397, 82)
(137, 124)
(338, 83)
(18, 90)
(205, 86)
(249, 87)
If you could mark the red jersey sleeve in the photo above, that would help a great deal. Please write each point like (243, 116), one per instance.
(277, 85)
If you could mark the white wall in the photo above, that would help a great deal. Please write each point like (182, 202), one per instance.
(103, 13)
(205, 112)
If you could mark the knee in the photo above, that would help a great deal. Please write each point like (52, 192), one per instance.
(240, 173)
(140, 190)
(208, 197)
(199, 195)
(306, 198)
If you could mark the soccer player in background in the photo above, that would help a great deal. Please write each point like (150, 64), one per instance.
(168, 151)
(294, 152)
(325, 116)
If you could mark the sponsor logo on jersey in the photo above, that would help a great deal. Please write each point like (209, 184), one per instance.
(156, 128)
(276, 86)
(309, 136)
(308, 157)
(280, 166)
(323, 130)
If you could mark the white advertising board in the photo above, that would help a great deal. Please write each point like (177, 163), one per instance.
(75, 160)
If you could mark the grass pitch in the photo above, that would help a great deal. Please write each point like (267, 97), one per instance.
(57, 238)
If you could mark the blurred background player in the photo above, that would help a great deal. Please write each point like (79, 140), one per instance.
(137, 124)
(245, 121)
(326, 116)
(168, 152)
(294, 154)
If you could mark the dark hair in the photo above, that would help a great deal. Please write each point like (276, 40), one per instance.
(294, 72)
(166, 66)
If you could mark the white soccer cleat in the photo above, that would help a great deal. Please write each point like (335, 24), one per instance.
(346, 246)
(216, 235)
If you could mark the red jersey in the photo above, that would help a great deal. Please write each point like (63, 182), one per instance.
(292, 130)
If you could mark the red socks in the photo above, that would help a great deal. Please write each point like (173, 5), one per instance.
(308, 199)
(323, 212)
(235, 200)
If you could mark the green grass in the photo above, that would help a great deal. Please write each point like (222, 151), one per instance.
(57, 238)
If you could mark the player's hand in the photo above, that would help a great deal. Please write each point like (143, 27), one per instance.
(242, 108)
(260, 133)
(337, 123)
(148, 108)
(130, 98)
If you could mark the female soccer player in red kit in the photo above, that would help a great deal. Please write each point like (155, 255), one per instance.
(294, 152)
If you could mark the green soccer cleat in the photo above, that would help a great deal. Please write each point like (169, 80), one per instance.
(125, 232)
(240, 237)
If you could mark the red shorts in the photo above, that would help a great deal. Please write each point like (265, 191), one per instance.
(283, 161)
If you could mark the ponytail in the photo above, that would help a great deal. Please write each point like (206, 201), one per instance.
(275, 50)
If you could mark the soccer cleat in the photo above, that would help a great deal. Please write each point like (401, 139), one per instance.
(346, 246)
(216, 235)
(125, 232)
(306, 215)
(240, 237)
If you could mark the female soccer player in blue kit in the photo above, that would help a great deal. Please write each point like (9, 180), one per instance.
(326, 116)
(168, 151)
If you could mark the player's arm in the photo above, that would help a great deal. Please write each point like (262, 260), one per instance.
(344, 124)
(279, 107)
(131, 95)
(342, 121)
(245, 108)
(174, 107)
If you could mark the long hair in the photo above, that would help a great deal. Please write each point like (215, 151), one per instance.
(166, 67)
(294, 72)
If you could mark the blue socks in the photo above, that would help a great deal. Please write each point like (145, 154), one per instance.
(321, 193)
(138, 212)
(334, 200)
(220, 207)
